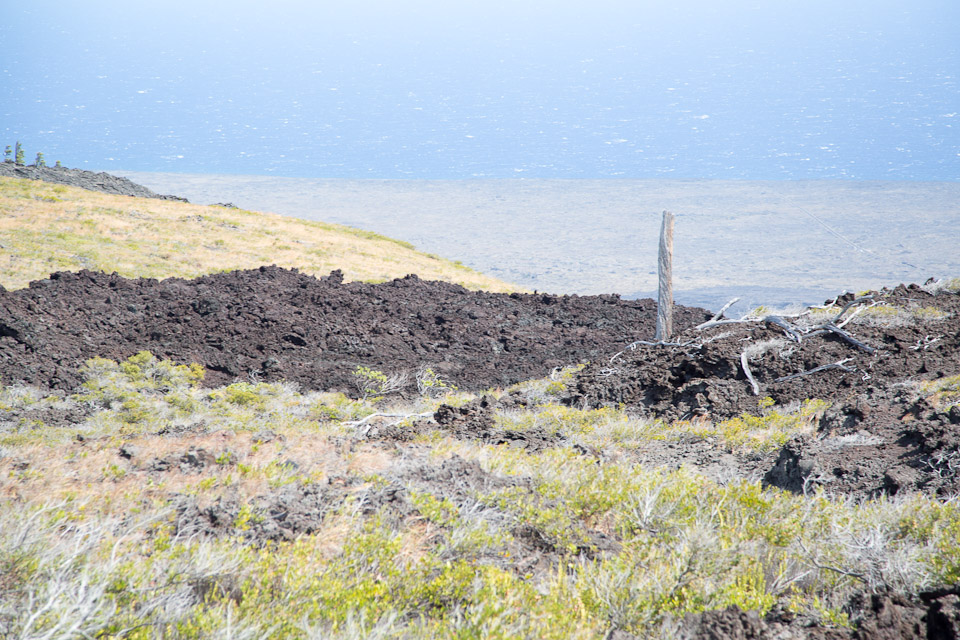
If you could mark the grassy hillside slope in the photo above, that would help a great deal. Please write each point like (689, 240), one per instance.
(46, 228)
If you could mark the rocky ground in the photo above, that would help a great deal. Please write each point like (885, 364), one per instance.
(884, 365)
(89, 180)
(889, 372)
(278, 324)
(880, 435)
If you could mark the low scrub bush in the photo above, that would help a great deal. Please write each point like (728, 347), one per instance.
(759, 433)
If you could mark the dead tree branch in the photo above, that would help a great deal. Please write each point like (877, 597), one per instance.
(853, 302)
(849, 338)
(837, 323)
(788, 328)
(402, 416)
(716, 323)
(834, 365)
(633, 346)
(829, 327)
(746, 370)
(718, 314)
(926, 342)
(811, 558)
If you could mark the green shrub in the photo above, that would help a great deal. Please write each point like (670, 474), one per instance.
(373, 385)
(431, 385)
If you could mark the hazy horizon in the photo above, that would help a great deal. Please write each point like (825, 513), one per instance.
(753, 90)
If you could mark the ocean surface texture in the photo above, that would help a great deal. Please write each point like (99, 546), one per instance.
(772, 243)
(743, 89)
(805, 146)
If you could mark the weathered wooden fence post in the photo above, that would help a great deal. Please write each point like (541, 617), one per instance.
(665, 289)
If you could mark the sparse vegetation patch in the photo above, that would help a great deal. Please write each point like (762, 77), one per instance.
(261, 510)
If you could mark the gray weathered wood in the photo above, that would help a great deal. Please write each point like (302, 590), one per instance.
(849, 338)
(842, 365)
(719, 314)
(665, 288)
(855, 301)
(789, 329)
(746, 370)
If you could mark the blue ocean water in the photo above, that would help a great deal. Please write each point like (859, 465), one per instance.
(740, 90)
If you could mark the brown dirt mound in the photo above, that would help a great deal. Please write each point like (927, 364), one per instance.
(278, 324)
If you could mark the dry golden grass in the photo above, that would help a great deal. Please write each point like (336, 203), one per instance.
(370, 460)
(46, 227)
(95, 472)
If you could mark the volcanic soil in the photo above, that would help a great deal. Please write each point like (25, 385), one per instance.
(888, 428)
(276, 324)
(886, 363)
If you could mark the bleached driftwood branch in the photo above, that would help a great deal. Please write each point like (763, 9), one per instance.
(717, 323)
(834, 325)
(854, 302)
(401, 416)
(776, 320)
(660, 343)
(926, 342)
(788, 328)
